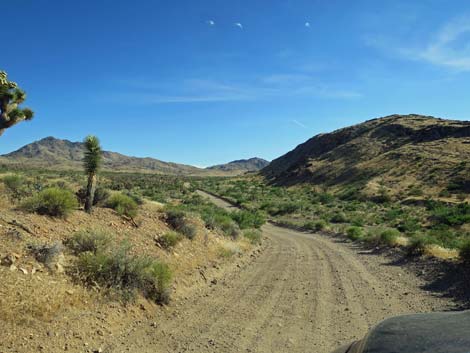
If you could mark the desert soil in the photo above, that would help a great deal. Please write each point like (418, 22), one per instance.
(299, 293)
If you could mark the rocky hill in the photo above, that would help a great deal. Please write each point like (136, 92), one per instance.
(399, 154)
(54, 153)
(242, 165)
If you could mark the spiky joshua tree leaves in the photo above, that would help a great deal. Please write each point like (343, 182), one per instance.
(91, 163)
(10, 99)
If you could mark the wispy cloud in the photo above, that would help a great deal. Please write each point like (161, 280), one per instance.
(206, 90)
(447, 47)
(298, 123)
(239, 25)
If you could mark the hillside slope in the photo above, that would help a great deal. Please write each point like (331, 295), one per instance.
(398, 153)
(54, 153)
(242, 165)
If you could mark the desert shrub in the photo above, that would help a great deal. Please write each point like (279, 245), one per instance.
(88, 240)
(248, 219)
(415, 190)
(52, 202)
(230, 229)
(383, 196)
(325, 198)
(216, 218)
(254, 236)
(189, 230)
(227, 250)
(389, 236)
(176, 218)
(117, 270)
(355, 233)
(123, 205)
(338, 217)
(45, 253)
(138, 199)
(409, 225)
(100, 198)
(451, 215)
(180, 221)
(357, 220)
(445, 237)
(315, 225)
(14, 185)
(464, 251)
(169, 239)
(418, 243)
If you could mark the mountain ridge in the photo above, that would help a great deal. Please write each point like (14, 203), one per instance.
(51, 152)
(249, 165)
(396, 153)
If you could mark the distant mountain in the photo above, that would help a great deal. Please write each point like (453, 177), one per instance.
(242, 165)
(402, 154)
(54, 153)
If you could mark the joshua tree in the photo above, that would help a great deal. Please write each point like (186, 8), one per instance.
(10, 99)
(91, 163)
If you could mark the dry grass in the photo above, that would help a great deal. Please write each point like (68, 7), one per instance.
(441, 253)
(27, 298)
(401, 241)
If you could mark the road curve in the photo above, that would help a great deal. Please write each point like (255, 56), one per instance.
(303, 293)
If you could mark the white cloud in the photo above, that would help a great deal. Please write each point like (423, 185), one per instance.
(239, 25)
(307, 24)
(298, 123)
(206, 90)
(210, 23)
(446, 47)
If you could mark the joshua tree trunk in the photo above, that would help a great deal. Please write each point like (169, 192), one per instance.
(90, 192)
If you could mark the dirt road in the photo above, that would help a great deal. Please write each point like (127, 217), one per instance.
(302, 293)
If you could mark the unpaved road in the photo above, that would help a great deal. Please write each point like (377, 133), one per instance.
(302, 293)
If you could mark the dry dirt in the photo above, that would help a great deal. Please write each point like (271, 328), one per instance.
(302, 293)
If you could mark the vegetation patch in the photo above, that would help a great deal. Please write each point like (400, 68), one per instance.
(254, 236)
(355, 233)
(169, 239)
(53, 202)
(113, 267)
(123, 205)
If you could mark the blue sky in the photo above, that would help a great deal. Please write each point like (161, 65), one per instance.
(208, 81)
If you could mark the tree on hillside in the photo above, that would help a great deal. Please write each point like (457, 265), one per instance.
(10, 99)
(92, 162)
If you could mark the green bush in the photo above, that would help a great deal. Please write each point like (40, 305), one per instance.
(339, 217)
(88, 240)
(315, 225)
(52, 202)
(249, 219)
(254, 236)
(451, 215)
(216, 218)
(389, 236)
(123, 205)
(180, 221)
(169, 240)
(464, 251)
(355, 233)
(14, 185)
(138, 199)
(117, 270)
(230, 229)
(100, 198)
(417, 244)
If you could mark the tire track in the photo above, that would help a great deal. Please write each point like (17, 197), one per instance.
(304, 293)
